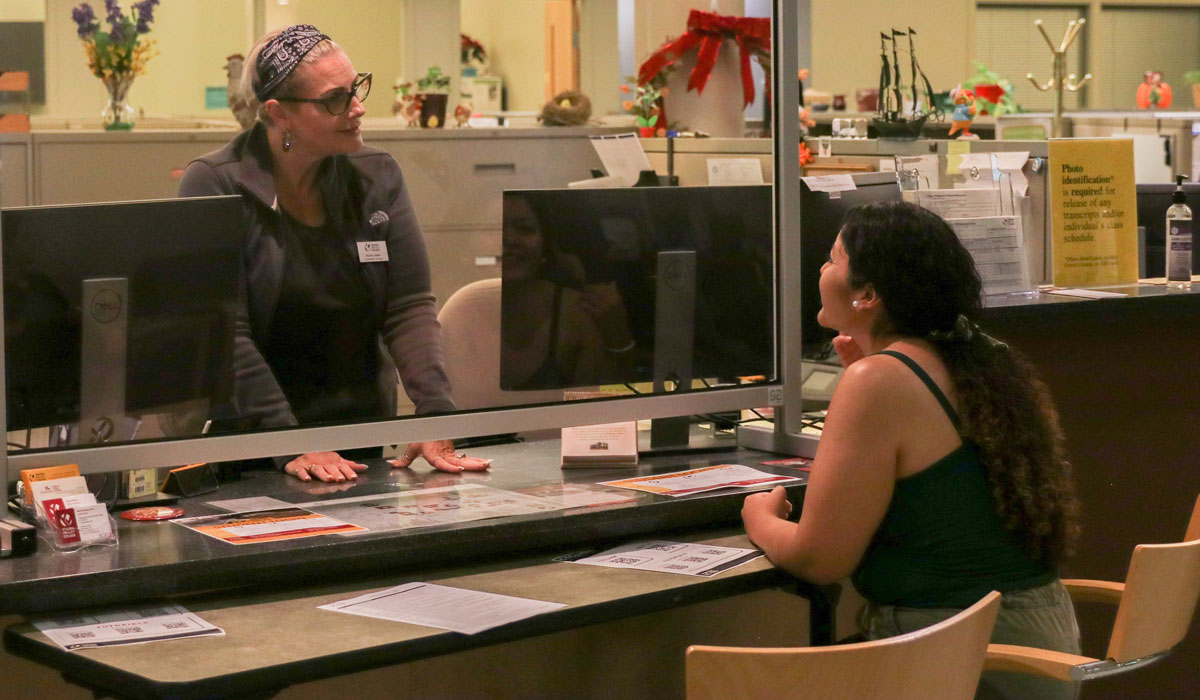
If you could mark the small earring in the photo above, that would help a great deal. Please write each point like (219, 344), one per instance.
(287, 141)
(856, 303)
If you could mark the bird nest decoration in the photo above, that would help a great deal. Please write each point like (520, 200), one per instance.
(568, 108)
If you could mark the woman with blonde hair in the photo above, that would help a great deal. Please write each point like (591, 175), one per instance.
(335, 265)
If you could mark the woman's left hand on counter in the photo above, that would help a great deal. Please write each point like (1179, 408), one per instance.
(765, 505)
(441, 454)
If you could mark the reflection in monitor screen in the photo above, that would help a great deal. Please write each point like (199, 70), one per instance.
(820, 221)
(1153, 200)
(113, 312)
(580, 271)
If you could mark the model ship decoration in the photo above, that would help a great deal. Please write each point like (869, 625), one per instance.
(896, 120)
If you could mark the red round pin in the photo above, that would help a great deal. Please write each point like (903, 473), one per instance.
(152, 513)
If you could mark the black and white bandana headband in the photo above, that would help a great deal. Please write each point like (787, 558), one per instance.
(281, 55)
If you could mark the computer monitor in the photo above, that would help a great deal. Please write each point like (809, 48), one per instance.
(132, 298)
(821, 215)
(1152, 204)
(600, 258)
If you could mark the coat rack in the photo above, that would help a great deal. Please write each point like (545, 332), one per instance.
(1060, 81)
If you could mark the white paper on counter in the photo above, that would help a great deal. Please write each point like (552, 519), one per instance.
(154, 624)
(443, 607)
(243, 505)
(997, 246)
(672, 557)
(1085, 293)
(702, 479)
(961, 203)
(734, 171)
(622, 156)
(830, 183)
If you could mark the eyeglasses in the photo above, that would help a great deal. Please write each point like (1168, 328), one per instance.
(338, 102)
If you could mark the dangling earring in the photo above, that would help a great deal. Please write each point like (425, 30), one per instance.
(854, 303)
(287, 141)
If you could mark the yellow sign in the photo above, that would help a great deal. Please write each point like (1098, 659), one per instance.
(1093, 212)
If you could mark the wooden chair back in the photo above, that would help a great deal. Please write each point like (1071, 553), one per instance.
(1193, 530)
(1161, 591)
(941, 661)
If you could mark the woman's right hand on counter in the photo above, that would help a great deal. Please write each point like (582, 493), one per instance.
(323, 466)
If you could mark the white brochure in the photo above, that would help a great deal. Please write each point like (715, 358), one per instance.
(443, 607)
(673, 557)
(126, 627)
(996, 244)
(961, 204)
(721, 476)
(734, 171)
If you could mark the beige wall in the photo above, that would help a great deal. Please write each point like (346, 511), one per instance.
(513, 33)
(194, 38)
(22, 10)
(845, 41)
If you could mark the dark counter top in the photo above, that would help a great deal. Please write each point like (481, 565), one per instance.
(161, 559)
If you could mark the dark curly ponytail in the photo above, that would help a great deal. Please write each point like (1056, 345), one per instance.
(930, 289)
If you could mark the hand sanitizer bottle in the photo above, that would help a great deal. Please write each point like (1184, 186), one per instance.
(1179, 240)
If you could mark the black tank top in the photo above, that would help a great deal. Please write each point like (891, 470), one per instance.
(941, 543)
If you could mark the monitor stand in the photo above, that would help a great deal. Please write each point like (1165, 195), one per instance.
(674, 329)
(104, 327)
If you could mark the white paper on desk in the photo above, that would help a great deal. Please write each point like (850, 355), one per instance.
(996, 243)
(673, 557)
(1085, 293)
(734, 171)
(622, 156)
(443, 505)
(243, 505)
(961, 204)
(833, 184)
(152, 624)
(443, 607)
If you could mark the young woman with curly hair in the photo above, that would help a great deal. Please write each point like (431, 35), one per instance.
(940, 475)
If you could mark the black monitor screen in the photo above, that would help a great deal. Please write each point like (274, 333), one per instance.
(179, 261)
(1152, 204)
(821, 215)
(580, 273)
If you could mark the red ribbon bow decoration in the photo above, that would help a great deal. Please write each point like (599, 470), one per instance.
(707, 30)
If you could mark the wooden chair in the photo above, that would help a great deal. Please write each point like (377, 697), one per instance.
(941, 661)
(1156, 603)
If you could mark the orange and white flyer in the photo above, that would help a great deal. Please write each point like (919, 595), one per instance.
(722, 476)
(267, 525)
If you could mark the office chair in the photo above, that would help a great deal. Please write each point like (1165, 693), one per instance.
(1155, 607)
(941, 661)
(471, 340)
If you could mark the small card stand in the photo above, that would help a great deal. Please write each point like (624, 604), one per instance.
(603, 445)
(190, 480)
(71, 529)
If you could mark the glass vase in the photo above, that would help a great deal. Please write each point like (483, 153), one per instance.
(118, 113)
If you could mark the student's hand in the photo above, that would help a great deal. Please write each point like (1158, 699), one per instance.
(324, 466)
(764, 505)
(440, 454)
(847, 349)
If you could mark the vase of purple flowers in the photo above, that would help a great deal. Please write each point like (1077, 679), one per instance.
(118, 55)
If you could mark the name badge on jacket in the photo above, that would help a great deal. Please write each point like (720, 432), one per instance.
(372, 251)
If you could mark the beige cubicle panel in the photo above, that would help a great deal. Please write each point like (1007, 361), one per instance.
(15, 174)
(690, 160)
(94, 166)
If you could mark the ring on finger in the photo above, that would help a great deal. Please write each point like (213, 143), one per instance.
(460, 455)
